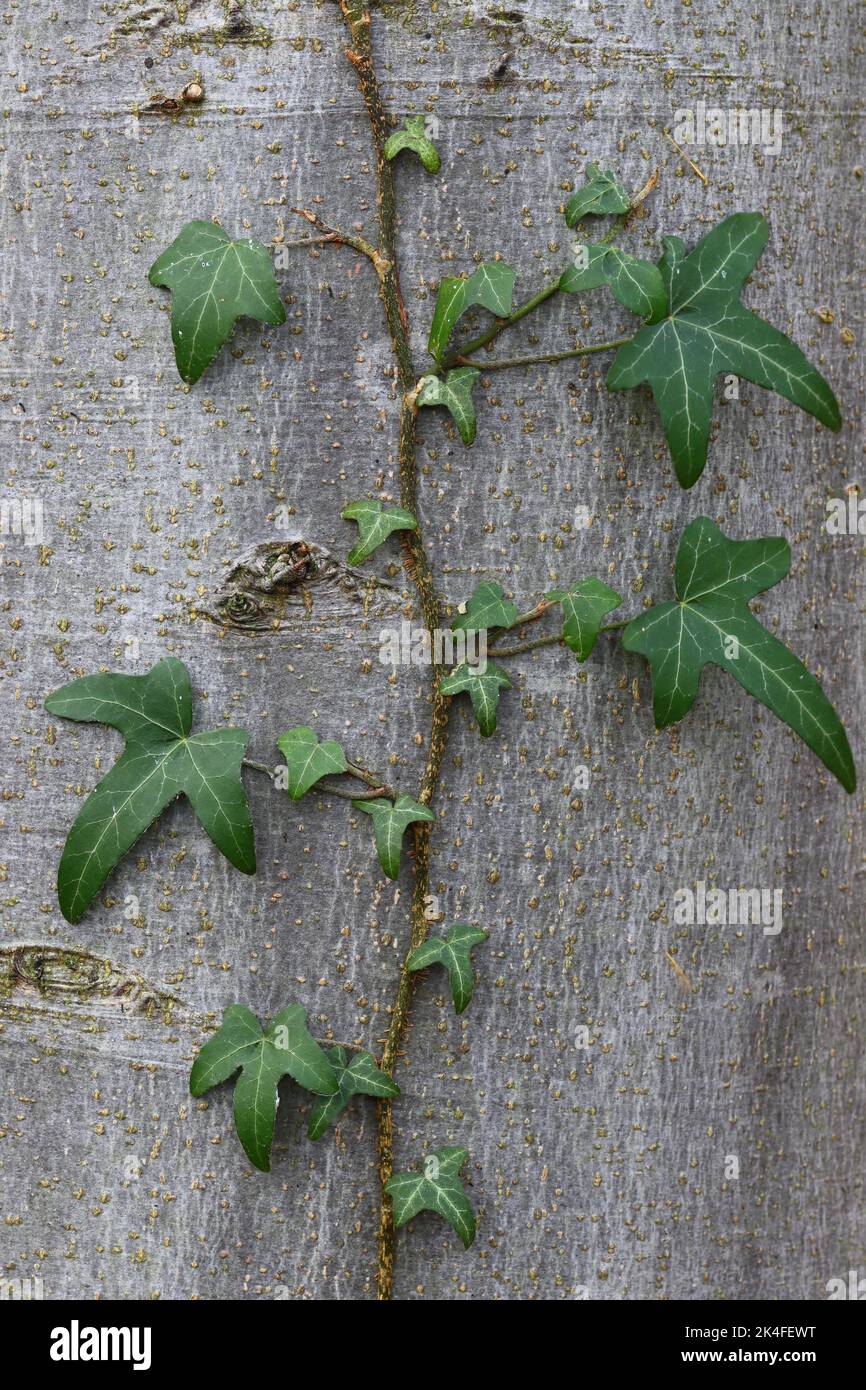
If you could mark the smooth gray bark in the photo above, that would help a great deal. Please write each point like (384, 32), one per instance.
(599, 1169)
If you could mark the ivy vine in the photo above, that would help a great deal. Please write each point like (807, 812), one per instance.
(693, 326)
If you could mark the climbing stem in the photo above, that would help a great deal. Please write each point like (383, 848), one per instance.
(551, 640)
(500, 364)
(418, 570)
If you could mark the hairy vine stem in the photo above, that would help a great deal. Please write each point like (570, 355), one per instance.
(417, 566)
(415, 558)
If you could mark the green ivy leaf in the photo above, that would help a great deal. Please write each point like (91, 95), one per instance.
(591, 276)
(307, 759)
(483, 686)
(361, 1076)
(711, 621)
(264, 1058)
(213, 281)
(601, 193)
(455, 393)
(160, 761)
(413, 136)
(490, 286)
(390, 819)
(375, 525)
(583, 607)
(637, 284)
(437, 1189)
(485, 609)
(706, 331)
(454, 952)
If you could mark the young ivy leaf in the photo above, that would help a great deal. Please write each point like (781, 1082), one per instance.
(413, 136)
(583, 607)
(307, 759)
(711, 621)
(455, 393)
(437, 1189)
(637, 284)
(161, 760)
(375, 525)
(601, 193)
(483, 687)
(485, 609)
(706, 330)
(453, 952)
(361, 1076)
(490, 287)
(390, 819)
(213, 281)
(264, 1058)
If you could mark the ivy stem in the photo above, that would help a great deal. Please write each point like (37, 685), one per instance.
(551, 640)
(500, 364)
(378, 785)
(417, 566)
(499, 325)
(460, 355)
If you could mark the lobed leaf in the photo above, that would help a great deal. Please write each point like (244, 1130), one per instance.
(413, 136)
(454, 952)
(437, 1189)
(489, 287)
(637, 284)
(487, 608)
(583, 607)
(285, 1048)
(455, 393)
(706, 330)
(482, 684)
(307, 760)
(161, 761)
(375, 524)
(712, 622)
(390, 819)
(360, 1076)
(213, 282)
(601, 193)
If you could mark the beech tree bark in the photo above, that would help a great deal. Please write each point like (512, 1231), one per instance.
(602, 1170)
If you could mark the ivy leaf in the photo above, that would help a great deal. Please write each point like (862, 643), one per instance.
(213, 281)
(413, 136)
(490, 287)
(375, 525)
(637, 284)
(390, 819)
(160, 761)
(706, 331)
(454, 953)
(307, 759)
(589, 276)
(711, 621)
(361, 1076)
(455, 393)
(483, 686)
(485, 609)
(437, 1189)
(601, 193)
(264, 1058)
(583, 607)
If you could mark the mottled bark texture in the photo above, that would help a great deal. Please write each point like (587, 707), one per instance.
(600, 1168)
